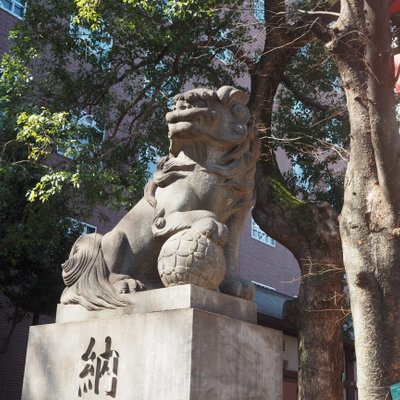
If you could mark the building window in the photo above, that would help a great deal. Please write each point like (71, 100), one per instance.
(86, 228)
(14, 7)
(259, 10)
(258, 234)
(87, 120)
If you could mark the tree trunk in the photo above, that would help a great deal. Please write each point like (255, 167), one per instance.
(310, 231)
(369, 222)
(320, 333)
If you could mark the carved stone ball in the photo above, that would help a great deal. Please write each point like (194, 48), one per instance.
(190, 257)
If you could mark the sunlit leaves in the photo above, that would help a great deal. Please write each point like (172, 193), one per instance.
(87, 10)
(48, 186)
(39, 131)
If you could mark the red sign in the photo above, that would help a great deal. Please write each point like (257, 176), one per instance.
(395, 7)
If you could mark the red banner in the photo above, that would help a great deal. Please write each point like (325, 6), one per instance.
(395, 7)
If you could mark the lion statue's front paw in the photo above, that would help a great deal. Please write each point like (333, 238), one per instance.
(212, 229)
(234, 285)
(124, 284)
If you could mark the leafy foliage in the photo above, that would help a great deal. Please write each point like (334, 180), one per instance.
(34, 237)
(312, 124)
(119, 61)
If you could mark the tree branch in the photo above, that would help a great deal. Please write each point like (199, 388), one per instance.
(238, 54)
(308, 101)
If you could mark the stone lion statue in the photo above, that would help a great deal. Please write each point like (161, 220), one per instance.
(186, 228)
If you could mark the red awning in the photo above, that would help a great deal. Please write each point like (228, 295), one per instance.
(395, 7)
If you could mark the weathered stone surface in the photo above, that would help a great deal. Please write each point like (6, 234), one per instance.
(187, 226)
(185, 354)
(172, 298)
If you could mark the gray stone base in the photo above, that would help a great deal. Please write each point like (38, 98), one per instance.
(172, 298)
(181, 354)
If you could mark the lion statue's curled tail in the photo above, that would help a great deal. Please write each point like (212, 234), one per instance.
(86, 268)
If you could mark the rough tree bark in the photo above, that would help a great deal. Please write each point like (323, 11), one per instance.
(310, 231)
(369, 223)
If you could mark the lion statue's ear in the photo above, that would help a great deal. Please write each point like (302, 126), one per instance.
(229, 95)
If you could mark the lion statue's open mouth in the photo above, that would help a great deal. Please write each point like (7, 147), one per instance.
(199, 111)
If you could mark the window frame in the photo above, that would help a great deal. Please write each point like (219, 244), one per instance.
(261, 236)
(85, 227)
(14, 3)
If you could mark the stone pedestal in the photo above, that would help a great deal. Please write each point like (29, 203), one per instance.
(182, 347)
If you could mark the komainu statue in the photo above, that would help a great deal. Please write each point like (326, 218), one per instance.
(186, 229)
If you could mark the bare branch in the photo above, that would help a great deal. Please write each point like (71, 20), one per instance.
(335, 14)
(238, 54)
(308, 101)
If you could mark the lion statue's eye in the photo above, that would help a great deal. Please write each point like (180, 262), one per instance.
(240, 112)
